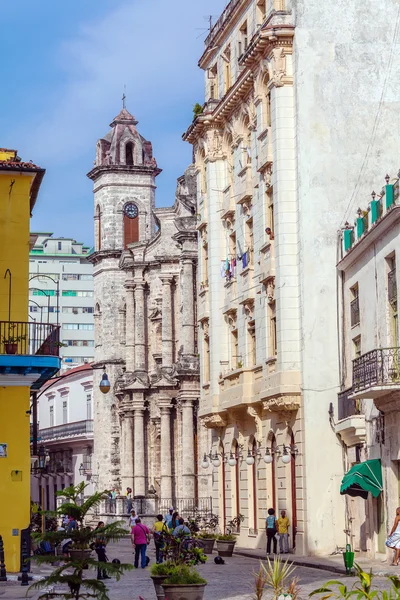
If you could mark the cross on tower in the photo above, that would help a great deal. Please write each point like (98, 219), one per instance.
(123, 100)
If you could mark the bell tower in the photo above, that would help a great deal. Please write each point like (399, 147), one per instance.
(123, 177)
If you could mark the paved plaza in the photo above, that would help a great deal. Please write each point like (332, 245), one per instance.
(231, 581)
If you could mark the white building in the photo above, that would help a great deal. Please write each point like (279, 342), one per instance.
(285, 131)
(368, 420)
(63, 262)
(65, 411)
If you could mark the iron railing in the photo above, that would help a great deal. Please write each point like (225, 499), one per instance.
(347, 407)
(66, 430)
(392, 287)
(17, 337)
(355, 312)
(377, 367)
(186, 506)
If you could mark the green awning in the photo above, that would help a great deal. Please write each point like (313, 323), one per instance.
(363, 478)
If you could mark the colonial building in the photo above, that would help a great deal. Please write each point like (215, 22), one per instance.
(278, 150)
(368, 421)
(145, 428)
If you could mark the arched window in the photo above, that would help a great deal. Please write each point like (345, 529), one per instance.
(131, 223)
(129, 153)
(97, 226)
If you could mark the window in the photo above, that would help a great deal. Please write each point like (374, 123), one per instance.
(75, 310)
(36, 292)
(213, 77)
(83, 343)
(357, 346)
(270, 212)
(261, 11)
(129, 154)
(65, 411)
(89, 407)
(392, 298)
(206, 353)
(227, 58)
(273, 343)
(131, 224)
(78, 294)
(251, 350)
(235, 362)
(59, 244)
(81, 326)
(243, 40)
(77, 277)
(354, 306)
(51, 416)
(249, 241)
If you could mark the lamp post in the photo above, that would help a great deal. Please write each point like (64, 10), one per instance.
(40, 307)
(288, 453)
(44, 292)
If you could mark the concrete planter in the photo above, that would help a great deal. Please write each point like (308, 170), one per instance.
(225, 548)
(79, 555)
(184, 592)
(157, 580)
(207, 544)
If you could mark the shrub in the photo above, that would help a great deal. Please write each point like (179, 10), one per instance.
(227, 537)
(183, 575)
(161, 569)
(205, 535)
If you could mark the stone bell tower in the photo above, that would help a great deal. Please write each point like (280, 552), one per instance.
(124, 201)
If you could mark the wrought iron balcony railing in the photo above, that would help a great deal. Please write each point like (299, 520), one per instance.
(17, 337)
(67, 430)
(347, 407)
(379, 367)
(355, 312)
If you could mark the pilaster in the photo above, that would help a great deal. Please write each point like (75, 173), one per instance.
(139, 487)
(140, 339)
(130, 330)
(167, 321)
(166, 450)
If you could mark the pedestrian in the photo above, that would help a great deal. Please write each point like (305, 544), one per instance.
(72, 524)
(393, 540)
(129, 499)
(159, 528)
(140, 538)
(132, 518)
(100, 549)
(270, 529)
(283, 530)
(181, 528)
(168, 517)
(174, 521)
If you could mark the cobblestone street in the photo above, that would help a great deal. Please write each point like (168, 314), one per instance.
(231, 581)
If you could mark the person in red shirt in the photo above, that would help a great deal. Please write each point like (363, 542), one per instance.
(140, 538)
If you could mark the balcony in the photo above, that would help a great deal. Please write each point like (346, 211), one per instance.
(78, 429)
(29, 353)
(376, 373)
(351, 423)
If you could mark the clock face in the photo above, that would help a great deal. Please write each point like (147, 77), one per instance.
(131, 210)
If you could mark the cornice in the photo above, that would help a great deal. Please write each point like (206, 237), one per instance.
(137, 169)
(100, 255)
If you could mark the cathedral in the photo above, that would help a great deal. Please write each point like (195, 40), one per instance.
(145, 427)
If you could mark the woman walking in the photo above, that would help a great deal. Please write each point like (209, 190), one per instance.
(393, 540)
(100, 549)
(270, 530)
(174, 521)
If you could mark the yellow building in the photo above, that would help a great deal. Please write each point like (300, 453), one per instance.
(28, 350)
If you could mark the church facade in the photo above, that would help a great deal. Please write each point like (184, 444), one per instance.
(145, 262)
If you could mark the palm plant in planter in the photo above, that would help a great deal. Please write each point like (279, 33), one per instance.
(181, 581)
(226, 542)
(69, 573)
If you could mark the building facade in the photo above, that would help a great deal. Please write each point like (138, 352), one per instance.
(28, 351)
(60, 265)
(269, 147)
(65, 430)
(368, 420)
(145, 259)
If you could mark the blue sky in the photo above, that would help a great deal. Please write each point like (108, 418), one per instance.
(64, 68)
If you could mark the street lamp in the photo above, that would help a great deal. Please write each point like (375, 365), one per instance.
(104, 383)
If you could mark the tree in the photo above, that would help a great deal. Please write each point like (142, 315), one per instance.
(71, 571)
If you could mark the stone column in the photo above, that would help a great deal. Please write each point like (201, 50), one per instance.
(129, 328)
(140, 339)
(127, 450)
(188, 468)
(166, 451)
(187, 303)
(139, 456)
(167, 320)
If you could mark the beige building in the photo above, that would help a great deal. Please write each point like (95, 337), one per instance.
(278, 150)
(144, 282)
(368, 420)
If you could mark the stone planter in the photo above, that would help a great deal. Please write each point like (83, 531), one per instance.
(225, 548)
(207, 544)
(80, 555)
(184, 592)
(157, 580)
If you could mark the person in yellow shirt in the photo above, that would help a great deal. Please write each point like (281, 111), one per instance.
(283, 530)
(158, 529)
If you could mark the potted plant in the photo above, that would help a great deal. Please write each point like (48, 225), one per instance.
(226, 542)
(182, 553)
(11, 340)
(159, 573)
(70, 572)
(207, 534)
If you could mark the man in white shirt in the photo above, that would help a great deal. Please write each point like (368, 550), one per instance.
(132, 518)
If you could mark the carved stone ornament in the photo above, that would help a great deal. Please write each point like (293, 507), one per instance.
(282, 404)
(267, 175)
(253, 413)
(277, 67)
(213, 422)
(214, 144)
